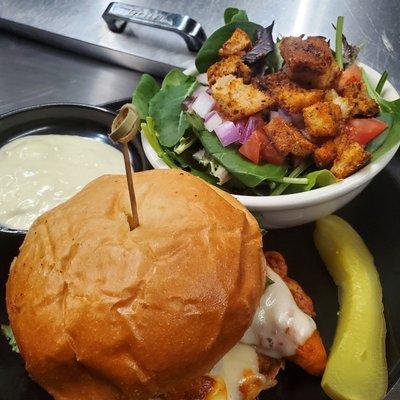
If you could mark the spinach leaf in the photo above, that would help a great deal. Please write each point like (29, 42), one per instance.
(144, 92)
(274, 60)
(208, 53)
(294, 174)
(8, 333)
(390, 110)
(385, 105)
(165, 107)
(315, 179)
(391, 138)
(246, 172)
(233, 14)
(148, 129)
(374, 144)
(175, 77)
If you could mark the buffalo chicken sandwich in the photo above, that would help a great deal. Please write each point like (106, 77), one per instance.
(186, 306)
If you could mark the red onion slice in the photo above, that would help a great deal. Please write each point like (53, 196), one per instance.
(203, 104)
(227, 133)
(202, 78)
(212, 121)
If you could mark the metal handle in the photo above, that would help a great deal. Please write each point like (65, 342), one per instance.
(118, 14)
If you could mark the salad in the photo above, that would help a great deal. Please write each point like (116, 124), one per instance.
(268, 117)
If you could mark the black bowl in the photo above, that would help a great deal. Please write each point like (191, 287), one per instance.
(63, 119)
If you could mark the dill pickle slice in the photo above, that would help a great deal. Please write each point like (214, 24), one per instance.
(356, 368)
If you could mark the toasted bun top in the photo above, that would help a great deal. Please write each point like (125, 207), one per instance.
(102, 312)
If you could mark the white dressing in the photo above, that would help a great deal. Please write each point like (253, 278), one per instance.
(233, 366)
(39, 172)
(279, 327)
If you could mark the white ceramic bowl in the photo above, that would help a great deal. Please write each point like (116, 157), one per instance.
(296, 209)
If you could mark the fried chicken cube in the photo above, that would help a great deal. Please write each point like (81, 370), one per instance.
(236, 100)
(309, 61)
(278, 264)
(351, 159)
(289, 95)
(362, 104)
(232, 65)
(325, 154)
(237, 44)
(287, 139)
(322, 119)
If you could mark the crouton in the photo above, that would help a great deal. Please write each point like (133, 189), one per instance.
(351, 159)
(309, 61)
(346, 105)
(287, 139)
(237, 100)
(288, 94)
(362, 104)
(237, 44)
(325, 154)
(232, 65)
(322, 119)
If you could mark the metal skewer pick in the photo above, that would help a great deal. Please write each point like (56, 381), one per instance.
(123, 129)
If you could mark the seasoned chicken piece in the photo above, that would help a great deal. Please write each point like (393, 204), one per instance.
(350, 160)
(309, 61)
(237, 44)
(232, 65)
(289, 95)
(237, 100)
(325, 154)
(276, 261)
(362, 104)
(322, 119)
(197, 389)
(207, 388)
(346, 105)
(287, 139)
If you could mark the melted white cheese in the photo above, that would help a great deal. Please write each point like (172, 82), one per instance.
(279, 327)
(232, 367)
(39, 172)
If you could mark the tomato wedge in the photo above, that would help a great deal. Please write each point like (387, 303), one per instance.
(363, 130)
(259, 148)
(251, 148)
(350, 74)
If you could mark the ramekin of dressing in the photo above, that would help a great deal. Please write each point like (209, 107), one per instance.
(39, 172)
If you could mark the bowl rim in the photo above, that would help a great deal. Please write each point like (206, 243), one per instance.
(312, 197)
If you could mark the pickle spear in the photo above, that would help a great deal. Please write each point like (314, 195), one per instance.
(356, 368)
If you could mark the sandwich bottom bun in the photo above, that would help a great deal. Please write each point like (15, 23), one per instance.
(101, 312)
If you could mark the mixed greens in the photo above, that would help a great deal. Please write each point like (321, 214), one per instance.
(182, 127)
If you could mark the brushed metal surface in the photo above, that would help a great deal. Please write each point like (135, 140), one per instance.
(32, 73)
(373, 24)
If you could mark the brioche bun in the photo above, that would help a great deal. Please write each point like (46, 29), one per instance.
(102, 312)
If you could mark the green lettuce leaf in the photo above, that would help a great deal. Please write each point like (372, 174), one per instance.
(390, 113)
(233, 14)
(8, 333)
(148, 129)
(166, 107)
(144, 92)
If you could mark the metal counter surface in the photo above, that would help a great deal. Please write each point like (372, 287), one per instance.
(31, 73)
